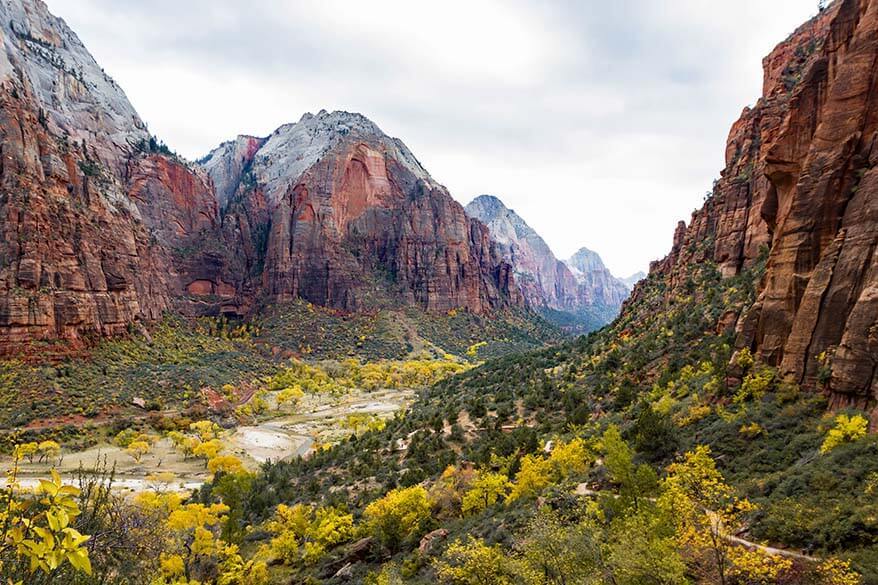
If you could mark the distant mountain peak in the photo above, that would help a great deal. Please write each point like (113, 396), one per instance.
(581, 286)
(490, 202)
(585, 260)
(508, 226)
(633, 279)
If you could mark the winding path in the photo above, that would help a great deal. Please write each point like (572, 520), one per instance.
(583, 490)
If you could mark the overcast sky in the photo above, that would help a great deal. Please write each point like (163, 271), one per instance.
(600, 123)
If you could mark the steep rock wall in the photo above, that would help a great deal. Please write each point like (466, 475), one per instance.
(801, 186)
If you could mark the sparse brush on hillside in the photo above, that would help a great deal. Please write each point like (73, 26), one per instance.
(594, 448)
(660, 375)
(165, 369)
(320, 333)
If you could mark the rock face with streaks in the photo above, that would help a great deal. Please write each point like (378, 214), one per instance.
(336, 212)
(227, 164)
(544, 280)
(581, 285)
(800, 191)
(76, 255)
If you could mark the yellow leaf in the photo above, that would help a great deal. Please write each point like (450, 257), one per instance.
(79, 559)
(48, 487)
(54, 522)
(69, 490)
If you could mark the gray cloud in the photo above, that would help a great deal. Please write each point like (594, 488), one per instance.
(601, 123)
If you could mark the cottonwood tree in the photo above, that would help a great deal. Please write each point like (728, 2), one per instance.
(708, 514)
(472, 562)
(399, 516)
(559, 553)
(486, 490)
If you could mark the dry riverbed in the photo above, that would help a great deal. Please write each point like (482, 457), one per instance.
(317, 421)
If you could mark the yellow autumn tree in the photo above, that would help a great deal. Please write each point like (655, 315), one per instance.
(225, 463)
(48, 450)
(757, 567)
(290, 396)
(25, 451)
(205, 429)
(485, 490)
(472, 562)
(137, 449)
(303, 534)
(835, 571)
(196, 553)
(207, 450)
(533, 476)
(177, 439)
(36, 528)
(567, 459)
(708, 514)
(399, 516)
(847, 429)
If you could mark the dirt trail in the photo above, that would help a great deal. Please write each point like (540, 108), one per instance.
(583, 490)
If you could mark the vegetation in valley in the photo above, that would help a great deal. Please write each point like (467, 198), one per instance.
(178, 366)
(322, 333)
(582, 321)
(646, 452)
(166, 368)
(663, 375)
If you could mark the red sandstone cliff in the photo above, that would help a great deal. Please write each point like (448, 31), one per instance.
(801, 182)
(101, 227)
(75, 255)
(334, 211)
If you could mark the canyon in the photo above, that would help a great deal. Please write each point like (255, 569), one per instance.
(356, 379)
(104, 228)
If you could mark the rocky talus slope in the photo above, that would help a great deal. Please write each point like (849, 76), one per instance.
(800, 188)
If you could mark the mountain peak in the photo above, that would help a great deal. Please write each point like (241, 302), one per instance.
(280, 159)
(546, 281)
(337, 121)
(630, 281)
(326, 199)
(586, 260)
(506, 226)
(489, 202)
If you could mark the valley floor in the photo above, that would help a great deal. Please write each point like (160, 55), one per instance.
(318, 420)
